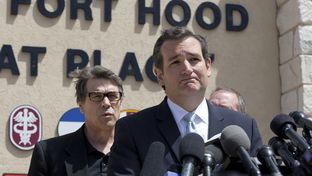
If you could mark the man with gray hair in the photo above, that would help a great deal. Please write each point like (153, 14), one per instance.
(99, 95)
(228, 98)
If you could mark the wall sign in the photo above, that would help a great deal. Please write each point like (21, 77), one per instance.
(25, 127)
(129, 67)
(70, 121)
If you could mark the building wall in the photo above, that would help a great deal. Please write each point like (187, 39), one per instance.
(246, 60)
(294, 22)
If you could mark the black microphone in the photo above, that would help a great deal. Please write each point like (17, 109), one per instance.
(153, 161)
(266, 156)
(192, 148)
(284, 126)
(301, 120)
(235, 143)
(305, 123)
(213, 156)
(280, 148)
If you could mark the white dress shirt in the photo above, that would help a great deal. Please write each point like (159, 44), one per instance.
(201, 121)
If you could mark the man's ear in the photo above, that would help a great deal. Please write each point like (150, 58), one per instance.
(208, 66)
(159, 74)
(81, 107)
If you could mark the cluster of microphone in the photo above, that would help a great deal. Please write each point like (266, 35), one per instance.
(293, 149)
(288, 153)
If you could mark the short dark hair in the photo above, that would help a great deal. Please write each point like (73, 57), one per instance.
(88, 73)
(176, 33)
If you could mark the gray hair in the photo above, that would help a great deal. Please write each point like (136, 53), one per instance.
(241, 106)
(88, 73)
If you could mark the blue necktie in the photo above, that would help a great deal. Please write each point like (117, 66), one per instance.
(190, 125)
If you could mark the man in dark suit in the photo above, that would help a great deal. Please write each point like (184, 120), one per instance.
(99, 94)
(182, 66)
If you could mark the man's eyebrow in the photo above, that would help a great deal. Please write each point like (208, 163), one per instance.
(174, 57)
(187, 53)
(193, 54)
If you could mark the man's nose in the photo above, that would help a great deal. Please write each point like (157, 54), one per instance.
(106, 102)
(187, 67)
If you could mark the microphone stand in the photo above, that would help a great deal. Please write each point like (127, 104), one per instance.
(306, 160)
(248, 164)
(208, 163)
(307, 134)
(188, 167)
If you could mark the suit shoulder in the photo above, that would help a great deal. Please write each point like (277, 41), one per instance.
(143, 114)
(58, 140)
(227, 113)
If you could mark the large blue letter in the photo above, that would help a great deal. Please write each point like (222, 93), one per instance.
(155, 10)
(130, 61)
(149, 69)
(186, 12)
(7, 52)
(200, 13)
(74, 6)
(46, 13)
(107, 10)
(34, 52)
(14, 5)
(230, 8)
(71, 64)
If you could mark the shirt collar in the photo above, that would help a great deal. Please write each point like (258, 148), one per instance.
(178, 112)
(90, 148)
(202, 111)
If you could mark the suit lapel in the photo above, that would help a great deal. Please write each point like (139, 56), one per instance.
(168, 128)
(215, 121)
(76, 162)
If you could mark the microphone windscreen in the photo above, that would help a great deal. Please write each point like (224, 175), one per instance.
(192, 145)
(232, 137)
(264, 152)
(216, 152)
(297, 115)
(153, 161)
(278, 123)
(275, 143)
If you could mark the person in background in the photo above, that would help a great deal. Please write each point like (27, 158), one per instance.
(183, 67)
(99, 93)
(228, 98)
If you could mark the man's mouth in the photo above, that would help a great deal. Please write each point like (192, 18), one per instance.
(108, 114)
(188, 80)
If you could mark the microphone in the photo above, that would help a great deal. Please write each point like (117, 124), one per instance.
(301, 120)
(235, 143)
(153, 161)
(192, 148)
(213, 156)
(280, 148)
(305, 123)
(266, 157)
(284, 126)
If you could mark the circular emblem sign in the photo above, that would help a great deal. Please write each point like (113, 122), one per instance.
(70, 121)
(73, 119)
(25, 127)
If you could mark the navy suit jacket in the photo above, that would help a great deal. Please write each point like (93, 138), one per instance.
(134, 134)
(63, 156)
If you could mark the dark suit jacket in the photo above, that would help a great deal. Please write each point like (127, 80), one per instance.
(60, 156)
(135, 133)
